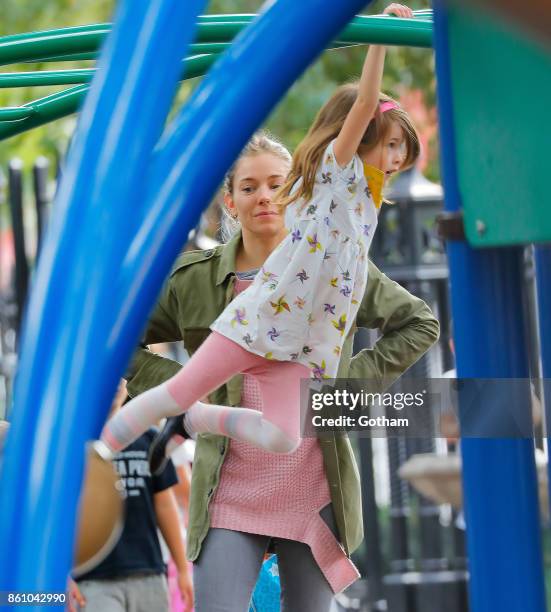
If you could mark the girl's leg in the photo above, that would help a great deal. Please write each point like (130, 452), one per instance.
(217, 360)
(219, 584)
(279, 383)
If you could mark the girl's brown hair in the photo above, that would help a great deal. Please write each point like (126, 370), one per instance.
(326, 127)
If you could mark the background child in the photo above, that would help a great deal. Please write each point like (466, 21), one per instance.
(133, 575)
(291, 322)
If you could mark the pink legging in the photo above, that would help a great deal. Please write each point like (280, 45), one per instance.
(276, 428)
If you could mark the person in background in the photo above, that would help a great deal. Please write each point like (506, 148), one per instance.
(132, 578)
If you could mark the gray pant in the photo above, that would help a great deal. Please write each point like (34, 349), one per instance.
(131, 594)
(227, 569)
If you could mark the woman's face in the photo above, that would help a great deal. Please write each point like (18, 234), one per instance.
(390, 154)
(257, 178)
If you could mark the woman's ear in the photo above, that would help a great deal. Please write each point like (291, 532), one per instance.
(230, 206)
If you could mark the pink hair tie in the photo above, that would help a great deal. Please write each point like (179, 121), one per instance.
(386, 106)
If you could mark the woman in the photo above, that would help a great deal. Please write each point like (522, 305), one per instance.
(306, 504)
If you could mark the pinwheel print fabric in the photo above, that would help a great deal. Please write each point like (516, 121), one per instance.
(305, 297)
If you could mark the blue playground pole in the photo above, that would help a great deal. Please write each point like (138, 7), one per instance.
(84, 317)
(63, 389)
(234, 98)
(542, 256)
(499, 475)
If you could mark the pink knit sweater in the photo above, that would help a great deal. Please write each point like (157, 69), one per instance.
(279, 496)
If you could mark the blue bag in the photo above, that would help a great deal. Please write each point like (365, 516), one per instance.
(266, 592)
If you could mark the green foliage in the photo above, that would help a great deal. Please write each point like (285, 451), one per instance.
(225, 7)
(36, 15)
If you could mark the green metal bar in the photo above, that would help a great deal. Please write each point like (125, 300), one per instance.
(219, 31)
(222, 18)
(195, 49)
(95, 27)
(210, 47)
(45, 77)
(67, 102)
(45, 110)
(45, 43)
(197, 66)
(191, 67)
(382, 29)
(91, 27)
(87, 39)
(201, 19)
(15, 113)
(388, 30)
(106, 27)
(71, 57)
(71, 41)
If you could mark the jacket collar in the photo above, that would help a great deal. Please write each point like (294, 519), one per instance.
(228, 257)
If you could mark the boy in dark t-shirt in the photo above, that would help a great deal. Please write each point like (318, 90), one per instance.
(133, 575)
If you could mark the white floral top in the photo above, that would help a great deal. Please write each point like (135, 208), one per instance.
(304, 299)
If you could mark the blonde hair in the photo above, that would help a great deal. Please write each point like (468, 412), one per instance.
(261, 142)
(326, 127)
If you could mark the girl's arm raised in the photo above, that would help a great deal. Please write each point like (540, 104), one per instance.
(363, 109)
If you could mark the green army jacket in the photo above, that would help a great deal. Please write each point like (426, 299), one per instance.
(200, 285)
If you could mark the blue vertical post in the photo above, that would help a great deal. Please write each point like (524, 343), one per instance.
(499, 475)
(542, 257)
(63, 390)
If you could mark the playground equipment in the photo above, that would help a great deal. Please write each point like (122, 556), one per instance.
(100, 509)
(500, 484)
(438, 477)
(214, 35)
(111, 244)
(100, 513)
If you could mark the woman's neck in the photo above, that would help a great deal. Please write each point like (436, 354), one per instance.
(255, 249)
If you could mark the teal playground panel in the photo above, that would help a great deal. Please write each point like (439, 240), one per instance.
(501, 85)
(499, 475)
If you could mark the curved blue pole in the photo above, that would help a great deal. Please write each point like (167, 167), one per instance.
(190, 161)
(542, 257)
(63, 391)
(499, 476)
(81, 305)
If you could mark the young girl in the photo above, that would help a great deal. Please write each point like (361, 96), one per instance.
(292, 321)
